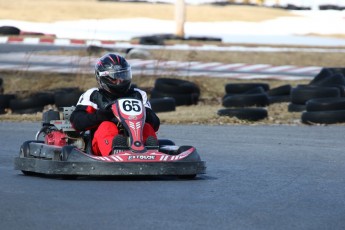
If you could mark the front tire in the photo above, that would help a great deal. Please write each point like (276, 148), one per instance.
(189, 177)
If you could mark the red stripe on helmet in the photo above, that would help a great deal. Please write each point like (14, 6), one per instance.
(112, 59)
(99, 62)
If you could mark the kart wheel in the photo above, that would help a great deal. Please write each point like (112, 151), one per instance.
(165, 142)
(28, 173)
(25, 148)
(63, 156)
(192, 176)
(69, 177)
(66, 150)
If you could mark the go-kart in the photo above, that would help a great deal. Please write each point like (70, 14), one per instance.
(60, 150)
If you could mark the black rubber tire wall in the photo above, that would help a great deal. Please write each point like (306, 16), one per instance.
(34, 101)
(324, 104)
(5, 100)
(175, 86)
(324, 117)
(9, 30)
(250, 114)
(280, 90)
(238, 88)
(243, 100)
(180, 99)
(65, 99)
(165, 104)
(300, 95)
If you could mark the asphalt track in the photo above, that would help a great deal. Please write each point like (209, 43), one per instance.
(258, 177)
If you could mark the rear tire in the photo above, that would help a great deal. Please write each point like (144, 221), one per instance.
(191, 176)
(28, 173)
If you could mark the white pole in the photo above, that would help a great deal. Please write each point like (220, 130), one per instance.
(315, 5)
(180, 17)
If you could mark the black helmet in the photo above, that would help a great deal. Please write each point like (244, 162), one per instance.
(113, 74)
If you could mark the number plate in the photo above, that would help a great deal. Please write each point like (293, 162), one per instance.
(130, 107)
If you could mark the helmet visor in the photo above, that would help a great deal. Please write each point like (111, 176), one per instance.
(117, 76)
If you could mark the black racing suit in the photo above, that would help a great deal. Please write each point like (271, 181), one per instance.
(91, 109)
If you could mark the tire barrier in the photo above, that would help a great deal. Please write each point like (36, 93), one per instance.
(165, 104)
(159, 39)
(239, 96)
(324, 111)
(249, 114)
(331, 7)
(321, 101)
(5, 102)
(328, 83)
(238, 88)
(66, 98)
(97, 50)
(325, 104)
(151, 40)
(31, 104)
(280, 90)
(279, 94)
(9, 30)
(324, 73)
(1, 86)
(245, 94)
(246, 100)
(180, 99)
(296, 107)
(323, 117)
(301, 94)
(136, 53)
(184, 92)
(35, 102)
(333, 80)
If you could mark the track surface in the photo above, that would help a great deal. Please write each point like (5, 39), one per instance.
(259, 177)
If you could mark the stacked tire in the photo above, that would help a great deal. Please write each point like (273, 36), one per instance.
(1, 86)
(171, 91)
(328, 83)
(245, 101)
(324, 111)
(65, 97)
(24, 103)
(279, 94)
(31, 104)
(302, 93)
(5, 102)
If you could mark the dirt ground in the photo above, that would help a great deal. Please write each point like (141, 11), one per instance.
(205, 112)
(55, 10)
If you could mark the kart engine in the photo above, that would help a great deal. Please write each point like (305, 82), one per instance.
(55, 138)
(61, 138)
(60, 132)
